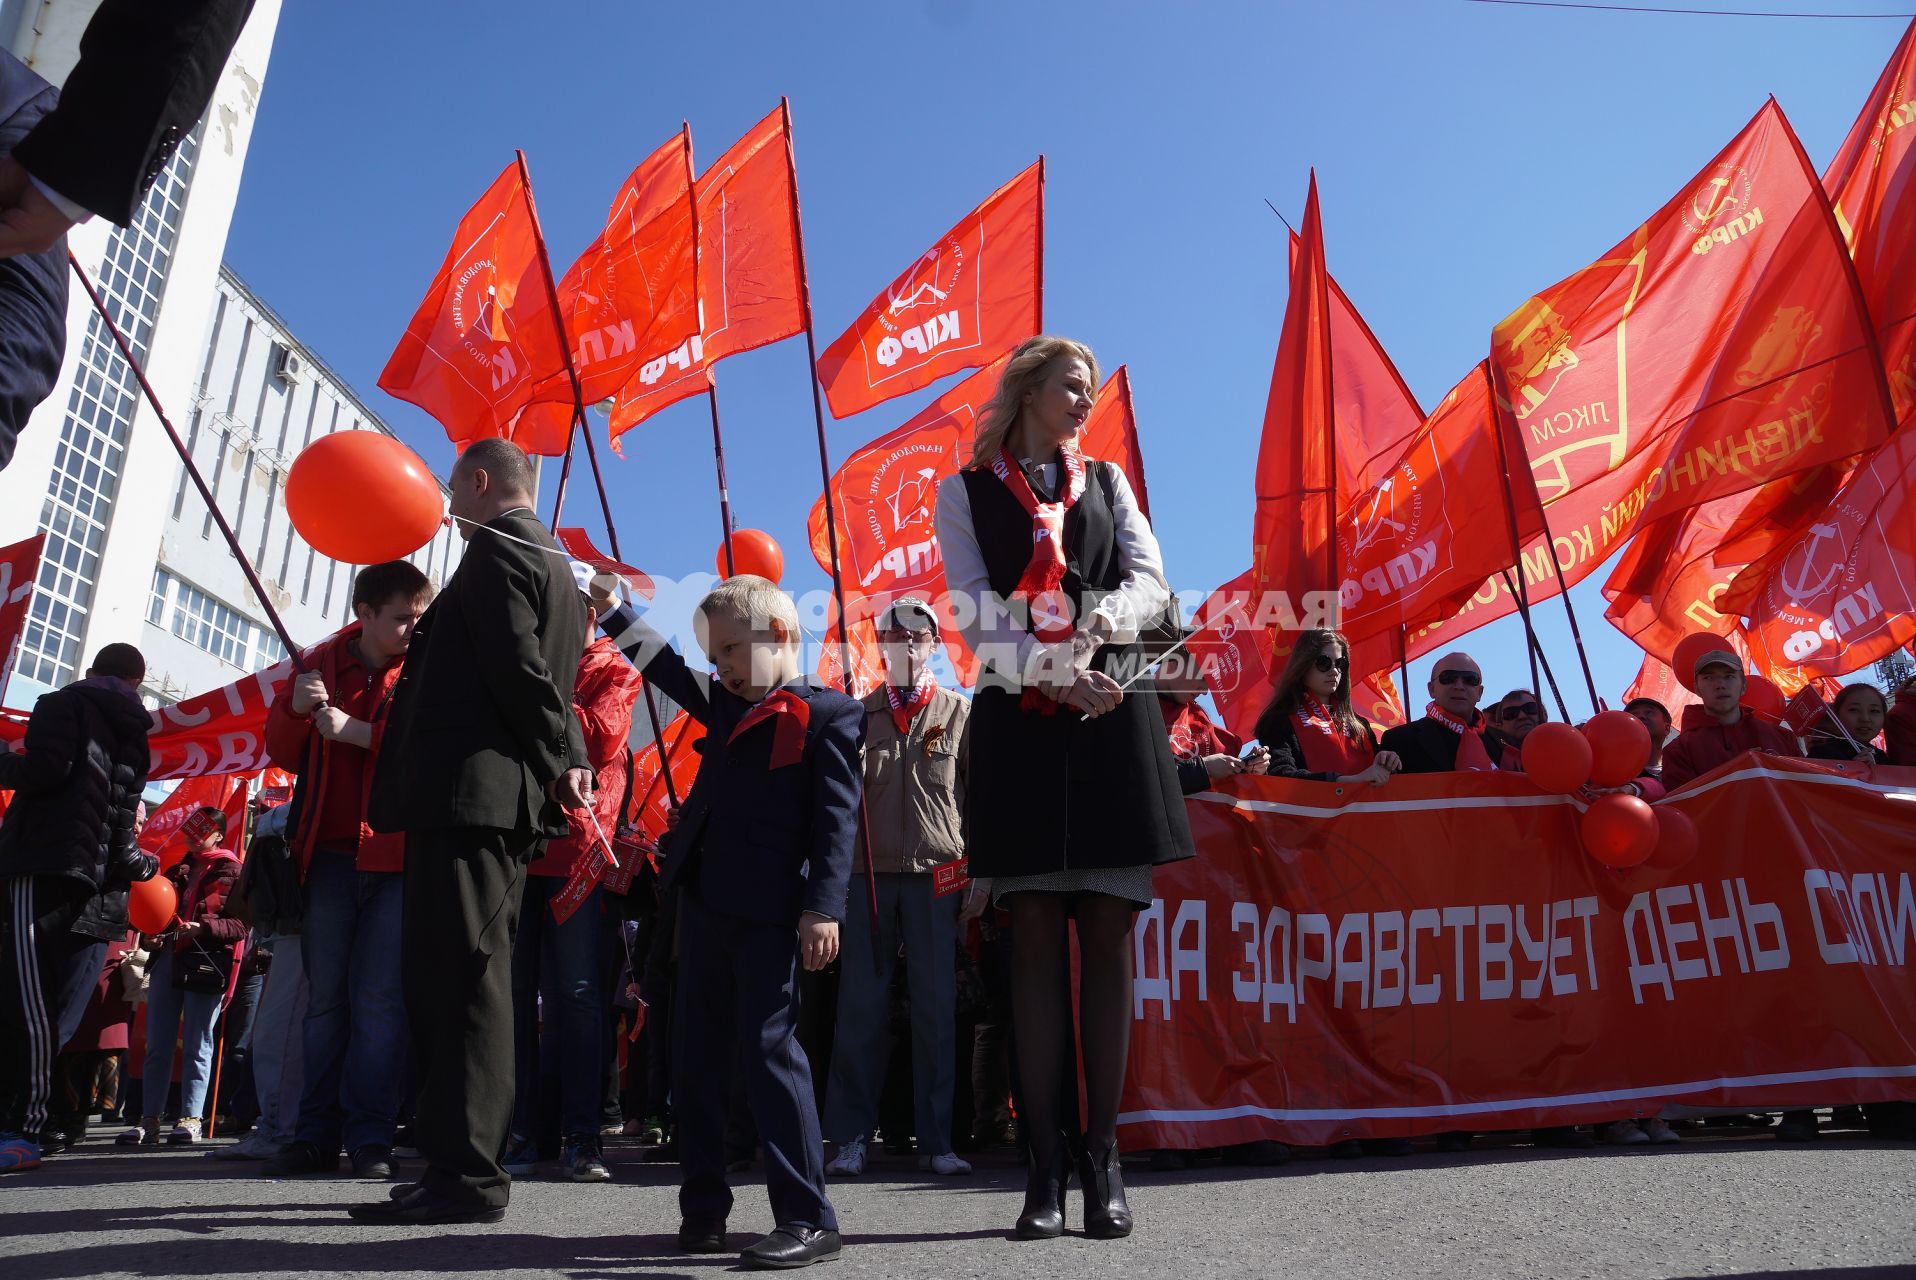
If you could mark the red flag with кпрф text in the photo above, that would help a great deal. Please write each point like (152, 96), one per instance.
(633, 291)
(974, 295)
(483, 338)
(749, 291)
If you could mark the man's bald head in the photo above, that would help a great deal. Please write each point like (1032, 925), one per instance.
(492, 477)
(1456, 683)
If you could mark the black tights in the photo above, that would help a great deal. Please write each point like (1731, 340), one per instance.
(1041, 1014)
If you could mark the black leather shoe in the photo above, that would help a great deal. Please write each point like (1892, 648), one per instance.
(789, 1247)
(701, 1237)
(1106, 1215)
(1043, 1215)
(373, 1161)
(423, 1209)
(299, 1160)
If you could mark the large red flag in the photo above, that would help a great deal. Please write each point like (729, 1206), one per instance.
(633, 291)
(1111, 433)
(971, 297)
(19, 570)
(748, 278)
(651, 803)
(483, 338)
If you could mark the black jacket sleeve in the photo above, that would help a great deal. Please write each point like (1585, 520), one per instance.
(502, 616)
(54, 739)
(659, 662)
(838, 779)
(1191, 777)
(33, 287)
(147, 70)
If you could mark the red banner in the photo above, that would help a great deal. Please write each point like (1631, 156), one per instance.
(970, 298)
(484, 335)
(19, 570)
(220, 732)
(171, 821)
(748, 280)
(1342, 962)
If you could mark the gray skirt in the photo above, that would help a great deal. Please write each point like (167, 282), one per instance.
(1130, 883)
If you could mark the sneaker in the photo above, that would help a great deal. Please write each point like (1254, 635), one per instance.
(1622, 1133)
(1659, 1132)
(850, 1160)
(254, 1146)
(948, 1165)
(185, 1133)
(144, 1134)
(522, 1157)
(373, 1161)
(582, 1163)
(18, 1154)
(1797, 1126)
(300, 1160)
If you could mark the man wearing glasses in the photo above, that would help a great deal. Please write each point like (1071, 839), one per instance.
(1452, 735)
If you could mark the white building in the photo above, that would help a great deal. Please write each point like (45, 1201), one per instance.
(130, 553)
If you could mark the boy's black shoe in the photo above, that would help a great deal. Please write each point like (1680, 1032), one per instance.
(696, 1236)
(789, 1247)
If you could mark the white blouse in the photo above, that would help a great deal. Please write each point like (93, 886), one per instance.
(990, 631)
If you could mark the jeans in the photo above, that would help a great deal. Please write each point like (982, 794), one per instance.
(927, 925)
(277, 1035)
(558, 1044)
(355, 1030)
(190, 1015)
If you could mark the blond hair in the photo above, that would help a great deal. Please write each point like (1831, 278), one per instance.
(1029, 365)
(752, 600)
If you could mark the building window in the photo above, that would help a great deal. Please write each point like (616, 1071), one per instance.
(208, 624)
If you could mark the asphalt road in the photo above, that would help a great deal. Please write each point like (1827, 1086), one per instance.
(1843, 1208)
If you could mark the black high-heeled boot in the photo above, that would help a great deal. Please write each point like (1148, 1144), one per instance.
(1106, 1215)
(1043, 1215)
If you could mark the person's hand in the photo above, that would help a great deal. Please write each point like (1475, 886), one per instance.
(817, 941)
(1258, 761)
(1627, 789)
(1377, 775)
(1085, 643)
(1222, 766)
(29, 222)
(309, 691)
(1054, 670)
(331, 722)
(1094, 694)
(572, 789)
(672, 817)
(604, 593)
(1390, 760)
(191, 930)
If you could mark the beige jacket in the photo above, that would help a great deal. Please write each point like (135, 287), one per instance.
(915, 787)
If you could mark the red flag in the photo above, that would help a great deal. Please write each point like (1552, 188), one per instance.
(974, 295)
(578, 545)
(633, 291)
(218, 732)
(1655, 680)
(19, 570)
(171, 820)
(651, 802)
(1110, 433)
(748, 283)
(868, 667)
(484, 337)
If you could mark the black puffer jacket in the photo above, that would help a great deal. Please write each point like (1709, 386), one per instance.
(76, 784)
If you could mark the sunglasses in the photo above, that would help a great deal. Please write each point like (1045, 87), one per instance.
(1469, 679)
(1530, 709)
(1324, 662)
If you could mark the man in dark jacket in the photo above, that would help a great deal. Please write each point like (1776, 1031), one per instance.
(67, 857)
(1452, 735)
(481, 756)
(33, 286)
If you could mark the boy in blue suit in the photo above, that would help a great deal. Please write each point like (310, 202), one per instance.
(761, 858)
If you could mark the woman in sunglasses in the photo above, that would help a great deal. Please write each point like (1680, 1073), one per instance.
(1309, 726)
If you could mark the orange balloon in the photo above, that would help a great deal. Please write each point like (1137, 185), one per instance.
(1689, 649)
(1676, 838)
(1619, 747)
(1619, 831)
(1764, 698)
(150, 904)
(362, 497)
(754, 551)
(1557, 758)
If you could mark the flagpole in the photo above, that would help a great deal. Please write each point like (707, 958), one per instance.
(186, 457)
(1403, 668)
(711, 382)
(565, 473)
(825, 471)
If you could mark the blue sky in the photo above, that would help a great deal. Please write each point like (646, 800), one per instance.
(1466, 154)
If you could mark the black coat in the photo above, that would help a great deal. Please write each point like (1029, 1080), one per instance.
(33, 287)
(761, 844)
(482, 720)
(1840, 749)
(147, 70)
(1058, 792)
(1425, 746)
(1277, 731)
(76, 785)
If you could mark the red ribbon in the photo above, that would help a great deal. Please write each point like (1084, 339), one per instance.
(1472, 755)
(904, 710)
(1038, 584)
(791, 716)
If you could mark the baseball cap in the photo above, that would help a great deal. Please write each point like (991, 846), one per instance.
(908, 612)
(1717, 658)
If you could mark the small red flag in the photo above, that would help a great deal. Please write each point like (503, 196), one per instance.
(974, 295)
(1110, 433)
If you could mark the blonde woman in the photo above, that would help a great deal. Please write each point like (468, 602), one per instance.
(1072, 794)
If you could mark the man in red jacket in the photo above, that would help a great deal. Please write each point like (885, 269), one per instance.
(559, 1058)
(328, 732)
(1722, 728)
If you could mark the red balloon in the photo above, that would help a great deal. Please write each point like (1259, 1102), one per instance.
(1557, 758)
(1619, 747)
(1676, 839)
(1619, 831)
(150, 904)
(753, 551)
(1688, 650)
(362, 497)
(1764, 698)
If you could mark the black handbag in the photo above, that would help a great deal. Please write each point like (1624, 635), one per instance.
(197, 969)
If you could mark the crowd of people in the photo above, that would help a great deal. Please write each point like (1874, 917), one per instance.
(856, 938)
